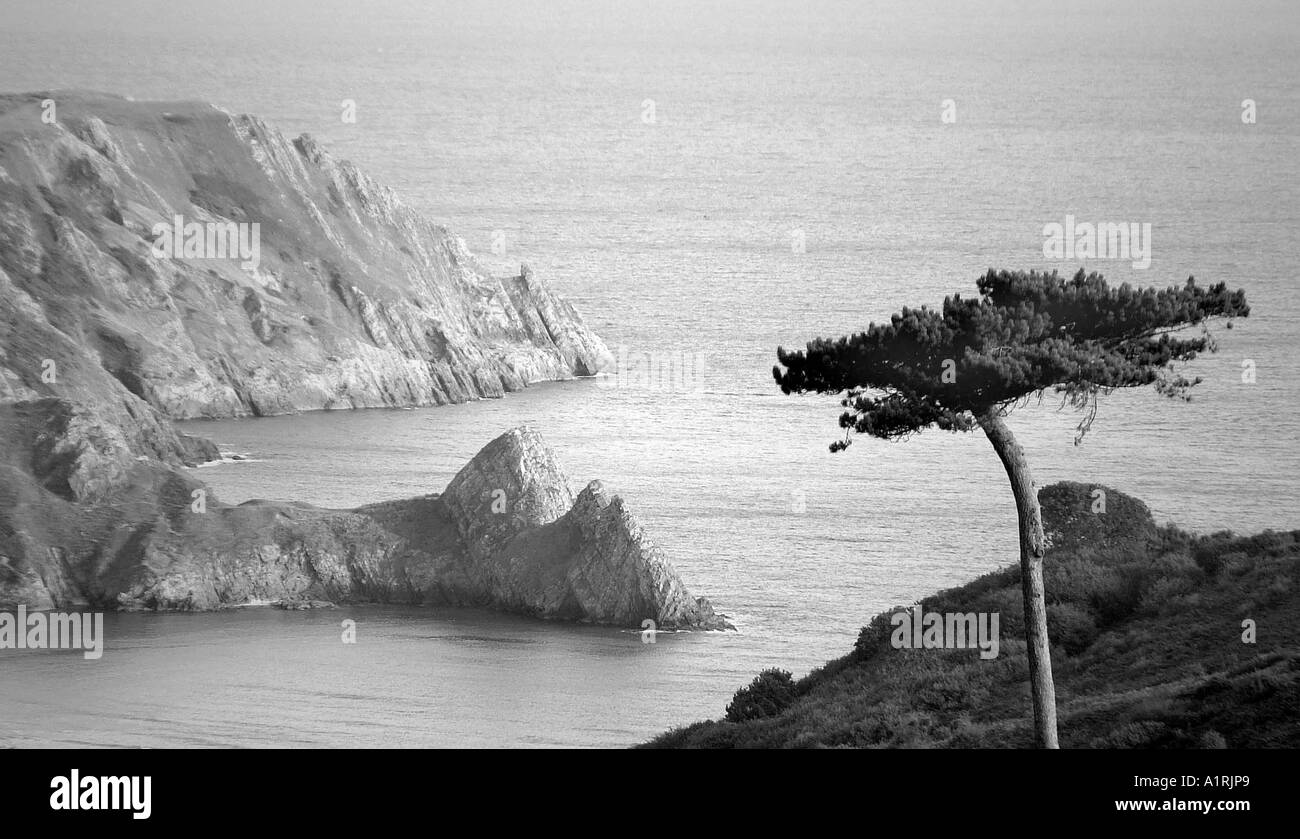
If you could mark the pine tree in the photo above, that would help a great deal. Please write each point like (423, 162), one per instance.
(969, 365)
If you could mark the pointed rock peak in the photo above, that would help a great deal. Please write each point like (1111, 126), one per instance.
(515, 482)
(593, 495)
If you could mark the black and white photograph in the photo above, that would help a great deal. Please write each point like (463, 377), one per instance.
(655, 374)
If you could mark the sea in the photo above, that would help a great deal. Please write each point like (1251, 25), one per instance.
(707, 181)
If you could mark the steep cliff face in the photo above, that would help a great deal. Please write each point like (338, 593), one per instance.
(507, 534)
(350, 300)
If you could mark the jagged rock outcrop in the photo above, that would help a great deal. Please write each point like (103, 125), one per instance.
(611, 547)
(507, 534)
(354, 300)
(529, 544)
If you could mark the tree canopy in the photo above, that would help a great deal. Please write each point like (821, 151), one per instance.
(1024, 333)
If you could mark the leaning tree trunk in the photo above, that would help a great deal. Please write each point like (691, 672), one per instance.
(1033, 545)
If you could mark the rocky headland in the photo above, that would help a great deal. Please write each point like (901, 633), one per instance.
(507, 533)
(354, 300)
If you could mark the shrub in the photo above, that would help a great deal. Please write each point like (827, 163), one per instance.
(1099, 588)
(1071, 627)
(1212, 559)
(1165, 593)
(1174, 564)
(1070, 522)
(875, 635)
(1010, 606)
(880, 728)
(1218, 549)
(949, 693)
(1279, 590)
(1171, 537)
(771, 692)
(1270, 543)
(1236, 563)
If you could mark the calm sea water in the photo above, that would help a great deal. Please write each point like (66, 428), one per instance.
(656, 161)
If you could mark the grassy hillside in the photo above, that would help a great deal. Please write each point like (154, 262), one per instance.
(1147, 650)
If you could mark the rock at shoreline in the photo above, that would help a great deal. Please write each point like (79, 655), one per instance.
(530, 544)
(507, 534)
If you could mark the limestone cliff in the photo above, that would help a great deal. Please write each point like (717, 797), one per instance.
(354, 300)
